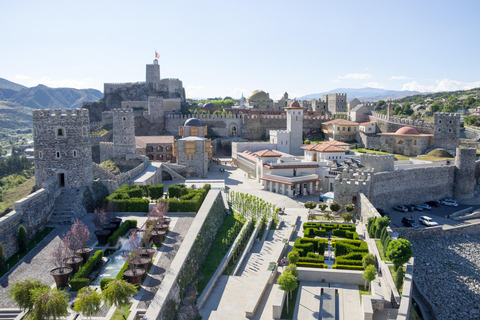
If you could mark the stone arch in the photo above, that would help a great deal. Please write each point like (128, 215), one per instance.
(159, 157)
(166, 175)
(233, 130)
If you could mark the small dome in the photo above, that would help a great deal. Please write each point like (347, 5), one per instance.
(407, 131)
(193, 122)
(294, 104)
(209, 105)
(259, 95)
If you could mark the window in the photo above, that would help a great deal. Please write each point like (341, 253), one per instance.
(58, 155)
(40, 154)
(449, 130)
(159, 157)
(149, 149)
(450, 121)
(60, 132)
(414, 142)
(74, 153)
(169, 157)
(169, 148)
(159, 149)
(124, 118)
(84, 130)
(439, 130)
(400, 141)
(439, 121)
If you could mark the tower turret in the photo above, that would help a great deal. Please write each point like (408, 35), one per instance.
(295, 127)
(153, 72)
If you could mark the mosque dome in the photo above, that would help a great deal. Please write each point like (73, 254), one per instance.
(209, 105)
(407, 131)
(193, 122)
(259, 95)
(294, 104)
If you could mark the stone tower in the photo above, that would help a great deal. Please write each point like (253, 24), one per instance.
(123, 132)
(446, 132)
(464, 185)
(295, 127)
(62, 147)
(153, 72)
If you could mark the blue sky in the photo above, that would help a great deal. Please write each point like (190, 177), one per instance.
(220, 48)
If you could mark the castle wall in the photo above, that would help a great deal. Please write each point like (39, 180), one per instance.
(123, 132)
(411, 185)
(446, 131)
(392, 124)
(253, 146)
(371, 141)
(378, 163)
(172, 104)
(464, 173)
(106, 151)
(62, 147)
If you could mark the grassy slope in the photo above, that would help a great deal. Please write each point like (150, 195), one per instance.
(16, 194)
(398, 157)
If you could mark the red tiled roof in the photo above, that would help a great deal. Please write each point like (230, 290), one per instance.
(267, 153)
(366, 123)
(324, 147)
(248, 155)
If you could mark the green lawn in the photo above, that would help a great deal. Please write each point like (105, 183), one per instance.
(363, 291)
(291, 305)
(429, 158)
(398, 157)
(217, 252)
(117, 315)
(380, 249)
(12, 195)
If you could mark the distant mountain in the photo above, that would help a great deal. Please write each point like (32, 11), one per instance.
(17, 101)
(367, 94)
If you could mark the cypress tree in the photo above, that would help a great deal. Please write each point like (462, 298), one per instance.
(3, 260)
(22, 239)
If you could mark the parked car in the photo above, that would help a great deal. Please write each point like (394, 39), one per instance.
(433, 203)
(410, 207)
(425, 206)
(400, 208)
(427, 221)
(409, 223)
(450, 203)
(416, 208)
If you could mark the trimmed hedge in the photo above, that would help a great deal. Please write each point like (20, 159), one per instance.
(189, 200)
(126, 225)
(88, 266)
(312, 265)
(78, 283)
(156, 191)
(315, 225)
(344, 247)
(337, 266)
(350, 227)
(312, 260)
(135, 193)
(346, 234)
(177, 190)
(329, 226)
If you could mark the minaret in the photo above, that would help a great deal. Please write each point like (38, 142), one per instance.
(295, 127)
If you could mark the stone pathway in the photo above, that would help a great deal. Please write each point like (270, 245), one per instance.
(163, 259)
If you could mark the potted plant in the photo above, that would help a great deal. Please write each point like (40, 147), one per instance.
(147, 251)
(80, 235)
(61, 273)
(136, 262)
(157, 215)
(98, 220)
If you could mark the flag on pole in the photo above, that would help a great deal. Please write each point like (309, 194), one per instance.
(157, 56)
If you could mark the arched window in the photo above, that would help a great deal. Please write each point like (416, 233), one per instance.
(58, 154)
(149, 149)
(124, 118)
(150, 157)
(74, 153)
(159, 149)
(169, 148)
(400, 141)
(159, 157)
(169, 157)
(60, 132)
(84, 131)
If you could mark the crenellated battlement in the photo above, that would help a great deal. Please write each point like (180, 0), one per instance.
(69, 113)
(403, 121)
(123, 110)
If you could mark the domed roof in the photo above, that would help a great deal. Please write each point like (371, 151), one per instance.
(294, 104)
(209, 105)
(193, 122)
(259, 95)
(407, 131)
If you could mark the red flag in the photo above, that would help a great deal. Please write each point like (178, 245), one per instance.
(157, 56)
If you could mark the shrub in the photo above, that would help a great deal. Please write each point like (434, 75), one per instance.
(310, 205)
(138, 205)
(383, 235)
(329, 226)
(370, 223)
(22, 239)
(344, 247)
(312, 265)
(79, 283)
(399, 278)
(378, 232)
(104, 282)
(177, 190)
(315, 225)
(129, 224)
(156, 191)
(85, 270)
(335, 206)
(350, 227)
(320, 259)
(351, 259)
(309, 232)
(293, 257)
(135, 193)
(368, 259)
(3, 260)
(345, 267)
(385, 245)
(319, 233)
(302, 248)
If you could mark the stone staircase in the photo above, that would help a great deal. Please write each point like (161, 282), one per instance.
(68, 207)
(175, 175)
(10, 314)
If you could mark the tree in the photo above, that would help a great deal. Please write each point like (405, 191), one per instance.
(369, 275)
(88, 302)
(310, 205)
(49, 303)
(385, 245)
(22, 239)
(311, 216)
(469, 102)
(399, 252)
(399, 278)
(62, 251)
(292, 269)
(349, 207)
(22, 293)
(335, 206)
(368, 259)
(3, 260)
(118, 293)
(293, 257)
(328, 215)
(287, 282)
(322, 206)
(381, 223)
(99, 218)
(436, 106)
(347, 216)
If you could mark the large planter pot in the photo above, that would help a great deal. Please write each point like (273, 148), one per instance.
(141, 262)
(157, 236)
(116, 221)
(61, 276)
(167, 221)
(147, 252)
(161, 226)
(134, 275)
(102, 236)
(110, 227)
(84, 253)
(73, 262)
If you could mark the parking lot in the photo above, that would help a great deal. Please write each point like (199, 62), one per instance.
(438, 214)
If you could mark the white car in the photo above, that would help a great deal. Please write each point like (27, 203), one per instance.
(424, 206)
(450, 203)
(427, 221)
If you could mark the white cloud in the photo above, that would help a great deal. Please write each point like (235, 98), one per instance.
(399, 78)
(63, 83)
(22, 77)
(355, 76)
(374, 85)
(440, 85)
(335, 80)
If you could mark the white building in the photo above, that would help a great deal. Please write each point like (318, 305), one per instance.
(290, 140)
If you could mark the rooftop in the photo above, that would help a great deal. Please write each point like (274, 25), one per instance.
(324, 147)
(341, 122)
(142, 141)
(267, 153)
